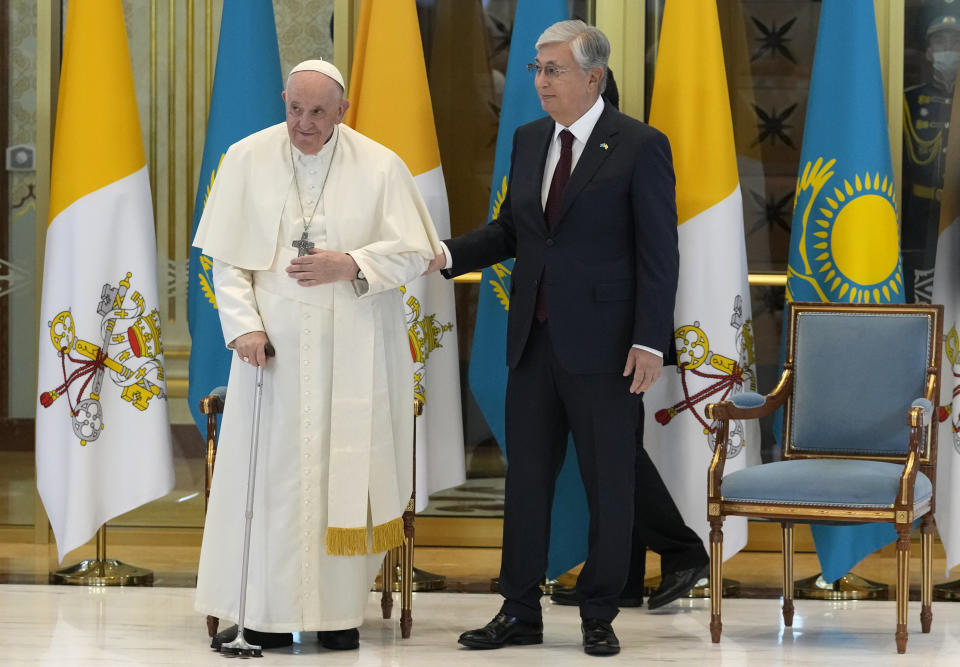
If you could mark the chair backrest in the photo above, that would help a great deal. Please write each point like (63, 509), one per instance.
(857, 369)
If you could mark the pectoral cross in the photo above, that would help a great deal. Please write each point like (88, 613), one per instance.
(302, 245)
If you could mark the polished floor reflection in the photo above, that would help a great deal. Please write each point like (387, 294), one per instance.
(45, 625)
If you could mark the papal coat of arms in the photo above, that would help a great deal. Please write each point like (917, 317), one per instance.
(705, 373)
(128, 352)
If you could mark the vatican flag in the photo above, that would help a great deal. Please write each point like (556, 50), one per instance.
(714, 326)
(103, 437)
(390, 103)
(946, 290)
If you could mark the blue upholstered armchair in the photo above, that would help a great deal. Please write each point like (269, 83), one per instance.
(859, 387)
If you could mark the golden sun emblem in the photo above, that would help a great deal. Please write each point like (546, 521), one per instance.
(857, 245)
(849, 247)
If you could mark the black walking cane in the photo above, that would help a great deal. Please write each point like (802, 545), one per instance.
(239, 646)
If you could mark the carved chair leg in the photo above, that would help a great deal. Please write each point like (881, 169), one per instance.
(716, 576)
(903, 584)
(213, 623)
(787, 544)
(926, 586)
(387, 574)
(406, 575)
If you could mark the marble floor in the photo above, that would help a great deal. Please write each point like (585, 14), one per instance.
(67, 626)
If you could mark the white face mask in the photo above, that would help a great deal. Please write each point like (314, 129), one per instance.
(946, 64)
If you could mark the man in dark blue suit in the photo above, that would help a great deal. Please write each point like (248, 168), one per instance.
(590, 215)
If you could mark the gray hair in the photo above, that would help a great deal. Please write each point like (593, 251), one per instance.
(590, 46)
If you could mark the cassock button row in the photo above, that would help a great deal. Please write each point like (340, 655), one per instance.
(306, 362)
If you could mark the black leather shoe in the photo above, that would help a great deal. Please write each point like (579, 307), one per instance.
(570, 597)
(566, 596)
(676, 584)
(599, 638)
(339, 640)
(264, 640)
(503, 630)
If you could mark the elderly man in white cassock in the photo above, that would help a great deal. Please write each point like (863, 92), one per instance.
(311, 227)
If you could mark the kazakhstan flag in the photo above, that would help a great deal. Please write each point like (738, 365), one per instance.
(488, 368)
(845, 243)
(245, 99)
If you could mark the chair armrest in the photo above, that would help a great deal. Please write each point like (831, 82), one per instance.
(751, 405)
(213, 402)
(748, 405)
(919, 417)
(921, 412)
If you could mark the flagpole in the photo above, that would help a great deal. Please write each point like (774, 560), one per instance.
(102, 571)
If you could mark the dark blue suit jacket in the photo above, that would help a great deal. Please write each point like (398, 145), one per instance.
(609, 264)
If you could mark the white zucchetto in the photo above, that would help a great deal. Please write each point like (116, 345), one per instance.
(321, 66)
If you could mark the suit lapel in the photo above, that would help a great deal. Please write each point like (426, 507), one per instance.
(599, 146)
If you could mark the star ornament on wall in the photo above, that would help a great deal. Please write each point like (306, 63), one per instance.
(773, 40)
(776, 212)
(773, 125)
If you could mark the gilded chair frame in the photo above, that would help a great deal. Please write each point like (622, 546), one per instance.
(920, 456)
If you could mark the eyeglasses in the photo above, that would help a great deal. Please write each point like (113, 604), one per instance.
(550, 71)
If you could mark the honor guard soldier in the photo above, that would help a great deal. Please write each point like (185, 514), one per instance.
(926, 113)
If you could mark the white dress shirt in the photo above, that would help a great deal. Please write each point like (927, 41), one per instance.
(581, 130)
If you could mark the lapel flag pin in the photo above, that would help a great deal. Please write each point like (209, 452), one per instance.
(604, 146)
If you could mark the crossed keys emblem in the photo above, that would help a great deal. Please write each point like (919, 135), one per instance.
(705, 374)
(127, 353)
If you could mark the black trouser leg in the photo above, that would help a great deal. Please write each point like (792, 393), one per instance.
(536, 441)
(602, 414)
(658, 523)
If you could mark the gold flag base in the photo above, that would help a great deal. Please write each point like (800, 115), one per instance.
(423, 581)
(949, 591)
(107, 572)
(102, 571)
(731, 588)
(848, 587)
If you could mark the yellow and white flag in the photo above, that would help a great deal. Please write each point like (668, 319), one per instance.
(713, 321)
(390, 103)
(946, 290)
(103, 436)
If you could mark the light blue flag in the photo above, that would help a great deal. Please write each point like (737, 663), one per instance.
(845, 243)
(245, 98)
(488, 369)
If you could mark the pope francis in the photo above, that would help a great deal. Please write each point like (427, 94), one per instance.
(312, 227)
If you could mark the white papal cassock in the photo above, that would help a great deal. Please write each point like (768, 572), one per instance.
(336, 432)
